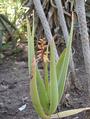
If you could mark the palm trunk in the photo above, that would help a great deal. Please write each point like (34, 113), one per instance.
(80, 8)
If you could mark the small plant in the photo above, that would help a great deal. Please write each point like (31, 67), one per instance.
(46, 93)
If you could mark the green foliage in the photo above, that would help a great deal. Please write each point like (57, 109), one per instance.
(42, 93)
(62, 65)
(30, 44)
(53, 80)
(11, 8)
(12, 12)
(36, 78)
(46, 93)
(68, 113)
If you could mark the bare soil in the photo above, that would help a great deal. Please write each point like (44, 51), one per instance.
(14, 90)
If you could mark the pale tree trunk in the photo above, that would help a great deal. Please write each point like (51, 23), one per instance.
(45, 24)
(63, 25)
(80, 9)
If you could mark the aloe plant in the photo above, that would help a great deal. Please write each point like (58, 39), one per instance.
(47, 93)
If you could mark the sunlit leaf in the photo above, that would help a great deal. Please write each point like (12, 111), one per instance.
(64, 67)
(30, 45)
(53, 80)
(42, 92)
(34, 93)
(68, 113)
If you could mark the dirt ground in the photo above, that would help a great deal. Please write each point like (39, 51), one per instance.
(14, 91)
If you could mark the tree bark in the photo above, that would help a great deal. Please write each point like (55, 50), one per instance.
(45, 24)
(80, 9)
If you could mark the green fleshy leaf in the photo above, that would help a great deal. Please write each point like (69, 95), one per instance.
(30, 44)
(35, 95)
(42, 92)
(64, 67)
(53, 80)
(59, 64)
(68, 113)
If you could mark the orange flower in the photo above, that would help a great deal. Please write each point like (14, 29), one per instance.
(42, 53)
